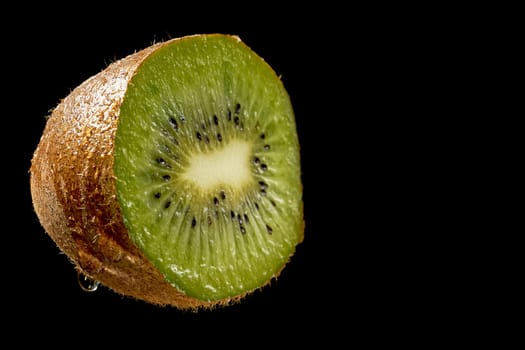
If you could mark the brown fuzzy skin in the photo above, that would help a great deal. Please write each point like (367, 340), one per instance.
(73, 189)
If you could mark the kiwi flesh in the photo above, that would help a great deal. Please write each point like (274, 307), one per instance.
(173, 176)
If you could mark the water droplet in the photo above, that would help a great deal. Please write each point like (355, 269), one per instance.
(86, 283)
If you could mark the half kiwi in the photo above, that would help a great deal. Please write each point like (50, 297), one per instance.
(173, 176)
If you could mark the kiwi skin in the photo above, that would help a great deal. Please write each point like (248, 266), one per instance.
(74, 193)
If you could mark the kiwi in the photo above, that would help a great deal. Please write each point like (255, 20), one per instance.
(173, 176)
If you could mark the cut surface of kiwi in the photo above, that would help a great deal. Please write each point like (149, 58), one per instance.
(203, 175)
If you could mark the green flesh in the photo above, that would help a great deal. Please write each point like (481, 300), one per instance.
(207, 167)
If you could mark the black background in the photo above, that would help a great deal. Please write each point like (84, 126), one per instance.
(321, 292)
(373, 91)
(365, 88)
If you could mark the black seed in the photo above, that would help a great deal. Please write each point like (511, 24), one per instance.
(215, 201)
(194, 223)
(239, 217)
(269, 229)
(263, 185)
(182, 118)
(257, 206)
(256, 161)
(157, 195)
(215, 120)
(167, 204)
(203, 126)
(262, 136)
(166, 177)
(264, 167)
(266, 147)
(219, 137)
(174, 123)
(243, 230)
(161, 161)
(236, 120)
(229, 115)
(245, 218)
(206, 139)
(263, 192)
(232, 214)
(223, 195)
(237, 108)
(199, 136)
(273, 203)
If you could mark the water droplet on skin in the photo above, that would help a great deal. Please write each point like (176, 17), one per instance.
(86, 283)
